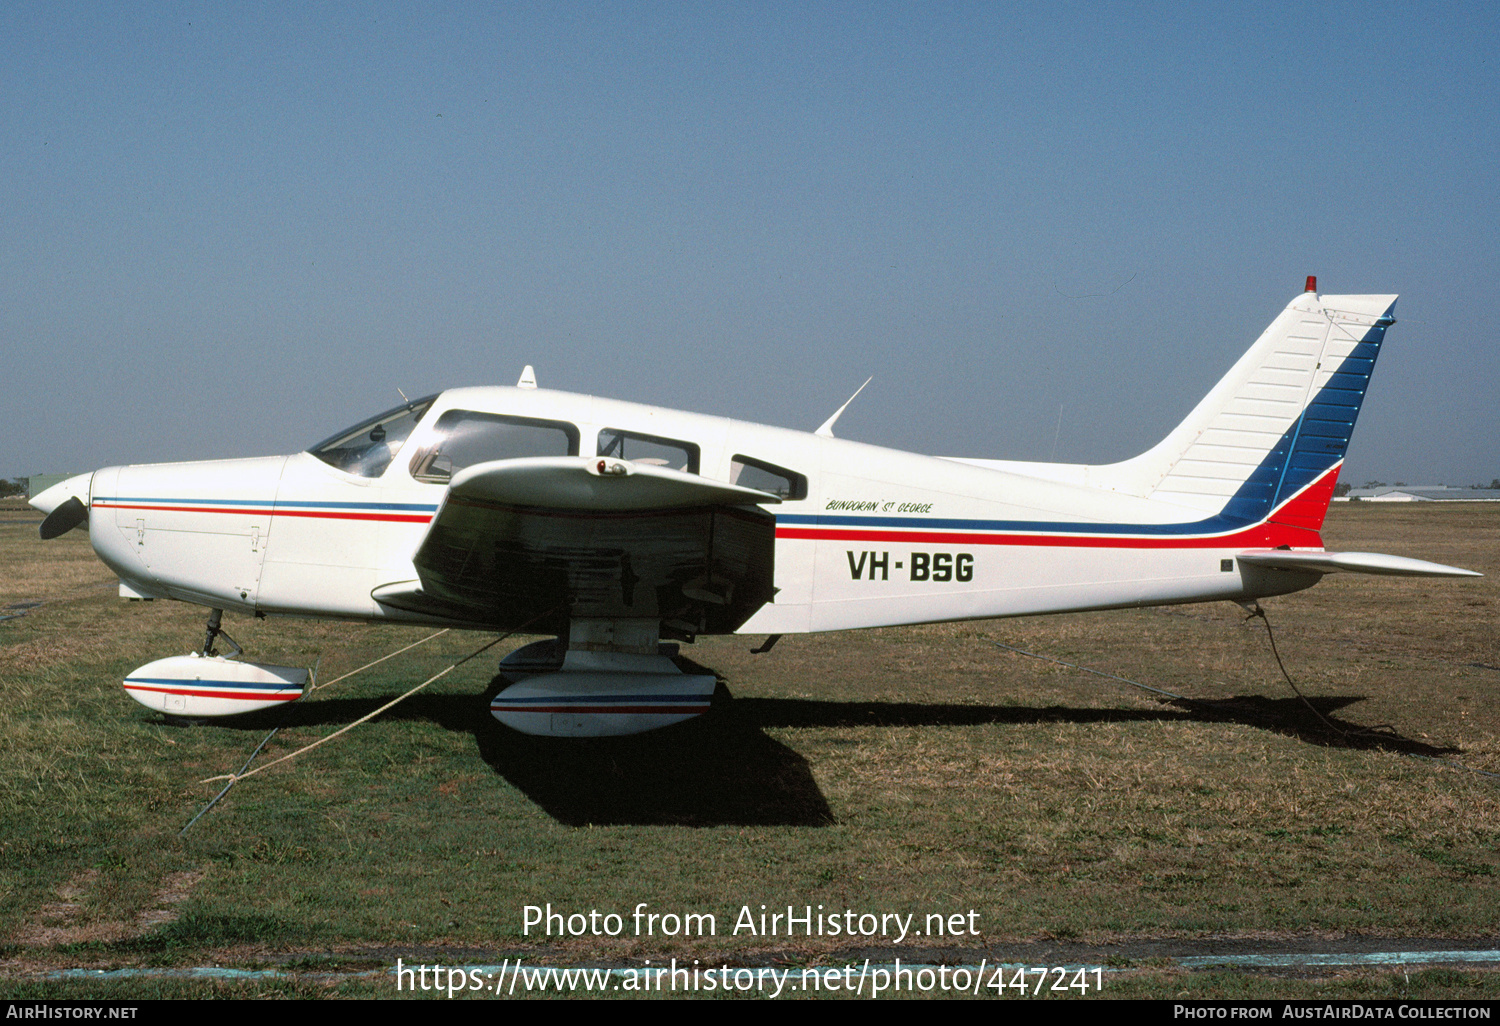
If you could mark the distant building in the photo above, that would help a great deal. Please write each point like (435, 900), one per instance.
(1421, 493)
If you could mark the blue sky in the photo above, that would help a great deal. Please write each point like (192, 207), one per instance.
(1045, 229)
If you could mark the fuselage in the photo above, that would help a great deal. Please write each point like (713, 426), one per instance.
(864, 536)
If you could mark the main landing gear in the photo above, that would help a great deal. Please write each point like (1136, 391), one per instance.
(610, 677)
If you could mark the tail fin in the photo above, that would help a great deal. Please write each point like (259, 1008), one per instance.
(1268, 440)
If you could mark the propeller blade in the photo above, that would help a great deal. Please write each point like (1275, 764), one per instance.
(64, 518)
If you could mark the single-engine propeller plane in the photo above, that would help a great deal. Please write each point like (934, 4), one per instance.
(614, 526)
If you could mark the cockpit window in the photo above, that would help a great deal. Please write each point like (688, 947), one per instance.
(463, 438)
(368, 448)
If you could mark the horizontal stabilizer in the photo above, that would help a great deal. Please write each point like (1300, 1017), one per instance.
(596, 484)
(1353, 562)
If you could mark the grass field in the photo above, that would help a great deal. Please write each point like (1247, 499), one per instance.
(908, 771)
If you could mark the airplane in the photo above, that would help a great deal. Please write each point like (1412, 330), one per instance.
(620, 529)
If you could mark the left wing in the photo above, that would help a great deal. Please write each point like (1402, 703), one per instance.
(593, 538)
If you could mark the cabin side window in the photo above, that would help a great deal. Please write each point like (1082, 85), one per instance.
(367, 449)
(767, 477)
(463, 438)
(649, 449)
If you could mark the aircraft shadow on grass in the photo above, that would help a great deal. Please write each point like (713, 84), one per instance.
(1288, 716)
(718, 769)
(724, 769)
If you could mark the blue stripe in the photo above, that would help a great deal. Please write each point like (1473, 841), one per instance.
(1320, 437)
(1212, 525)
(419, 507)
(415, 506)
(180, 682)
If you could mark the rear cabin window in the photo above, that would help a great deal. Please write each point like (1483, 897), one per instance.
(649, 449)
(464, 438)
(767, 477)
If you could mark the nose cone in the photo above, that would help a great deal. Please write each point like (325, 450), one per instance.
(76, 487)
(66, 505)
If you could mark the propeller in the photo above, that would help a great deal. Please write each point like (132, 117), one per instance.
(64, 518)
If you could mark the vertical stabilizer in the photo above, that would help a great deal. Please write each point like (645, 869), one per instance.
(1272, 433)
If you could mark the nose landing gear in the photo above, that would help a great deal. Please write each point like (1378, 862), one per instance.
(206, 684)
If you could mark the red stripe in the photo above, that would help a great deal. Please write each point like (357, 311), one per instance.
(404, 518)
(1295, 523)
(240, 695)
(1309, 507)
(1264, 536)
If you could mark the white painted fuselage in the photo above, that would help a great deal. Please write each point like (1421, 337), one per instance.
(882, 537)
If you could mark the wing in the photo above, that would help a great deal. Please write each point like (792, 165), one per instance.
(1352, 562)
(593, 537)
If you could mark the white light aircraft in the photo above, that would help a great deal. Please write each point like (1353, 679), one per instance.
(615, 526)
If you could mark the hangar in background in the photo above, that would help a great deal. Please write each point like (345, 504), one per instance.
(1421, 493)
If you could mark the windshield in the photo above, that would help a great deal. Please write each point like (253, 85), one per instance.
(368, 448)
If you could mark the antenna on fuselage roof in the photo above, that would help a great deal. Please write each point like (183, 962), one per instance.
(403, 398)
(528, 378)
(826, 430)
